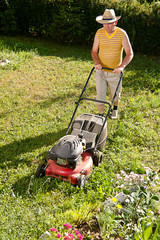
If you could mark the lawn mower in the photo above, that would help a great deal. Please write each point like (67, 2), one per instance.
(75, 154)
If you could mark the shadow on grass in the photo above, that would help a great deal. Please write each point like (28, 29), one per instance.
(141, 81)
(46, 48)
(9, 154)
(51, 100)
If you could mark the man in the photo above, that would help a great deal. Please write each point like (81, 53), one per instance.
(107, 51)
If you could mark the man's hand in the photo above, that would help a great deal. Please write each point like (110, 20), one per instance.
(98, 66)
(118, 70)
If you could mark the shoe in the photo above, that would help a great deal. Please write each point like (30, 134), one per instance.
(101, 114)
(114, 114)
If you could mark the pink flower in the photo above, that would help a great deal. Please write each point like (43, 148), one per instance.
(77, 233)
(123, 173)
(117, 175)
(54, 230)
(80, 237)
(71, 235)
(67, 225)
(67, 238)
(159, 170)
(59, 235)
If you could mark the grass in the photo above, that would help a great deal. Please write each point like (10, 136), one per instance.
(38, 91)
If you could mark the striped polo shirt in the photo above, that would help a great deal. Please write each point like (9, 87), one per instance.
(110, 47)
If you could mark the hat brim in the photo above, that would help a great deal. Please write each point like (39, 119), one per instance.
(100, 19)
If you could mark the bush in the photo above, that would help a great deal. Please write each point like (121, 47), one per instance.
(73, 21)
(141, 22)
(7, 18)
(68, 22)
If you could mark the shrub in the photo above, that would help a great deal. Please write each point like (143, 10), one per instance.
(73, 21)
(8, 23)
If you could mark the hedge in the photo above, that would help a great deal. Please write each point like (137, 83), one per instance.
(73, 21)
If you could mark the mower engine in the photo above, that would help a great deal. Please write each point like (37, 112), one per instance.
(68, 151)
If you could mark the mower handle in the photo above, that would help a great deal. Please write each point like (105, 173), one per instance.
(80, 98)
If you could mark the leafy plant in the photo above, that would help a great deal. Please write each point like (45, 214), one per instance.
(130, 212)
(147, 229)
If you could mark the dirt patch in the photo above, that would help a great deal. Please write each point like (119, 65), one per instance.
(90, 230)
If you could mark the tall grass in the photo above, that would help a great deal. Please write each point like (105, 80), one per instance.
(38, 91)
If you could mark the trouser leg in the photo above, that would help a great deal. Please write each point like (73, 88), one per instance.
(101, 86)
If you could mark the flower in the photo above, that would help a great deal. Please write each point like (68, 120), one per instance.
(80, 237)
(117, 175)
(67, 238)
(59, 235)
(142, 179)
(54, 230)
(119, 206)
(71, 235)
(127, 200)
(123, 172)
(78, 234)
(66, 232)
(127, 178)
(67, 225)
(114, 199)
(153, 184)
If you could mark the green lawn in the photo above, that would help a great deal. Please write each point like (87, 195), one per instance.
(38, 90)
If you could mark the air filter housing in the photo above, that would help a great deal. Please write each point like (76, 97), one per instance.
(68, 148)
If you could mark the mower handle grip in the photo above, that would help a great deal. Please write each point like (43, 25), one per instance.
(105, 68)
(111, 69)
(108, 68)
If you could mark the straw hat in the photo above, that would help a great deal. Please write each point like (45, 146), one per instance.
(107, 17)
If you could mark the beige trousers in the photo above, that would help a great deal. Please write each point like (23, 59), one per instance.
(102, 79)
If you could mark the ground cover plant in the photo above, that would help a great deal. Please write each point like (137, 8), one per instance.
(39, 86)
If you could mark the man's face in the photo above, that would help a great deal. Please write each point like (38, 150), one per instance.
(110, 27)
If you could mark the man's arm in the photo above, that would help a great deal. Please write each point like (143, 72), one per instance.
(94, 53)
(129, 54)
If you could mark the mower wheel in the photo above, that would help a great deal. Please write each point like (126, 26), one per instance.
(40, 170)
(81, 181)
(97, 158)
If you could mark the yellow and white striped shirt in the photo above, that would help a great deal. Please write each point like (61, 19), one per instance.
(110, 47)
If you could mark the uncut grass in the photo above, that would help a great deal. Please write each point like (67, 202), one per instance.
(37, 97)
